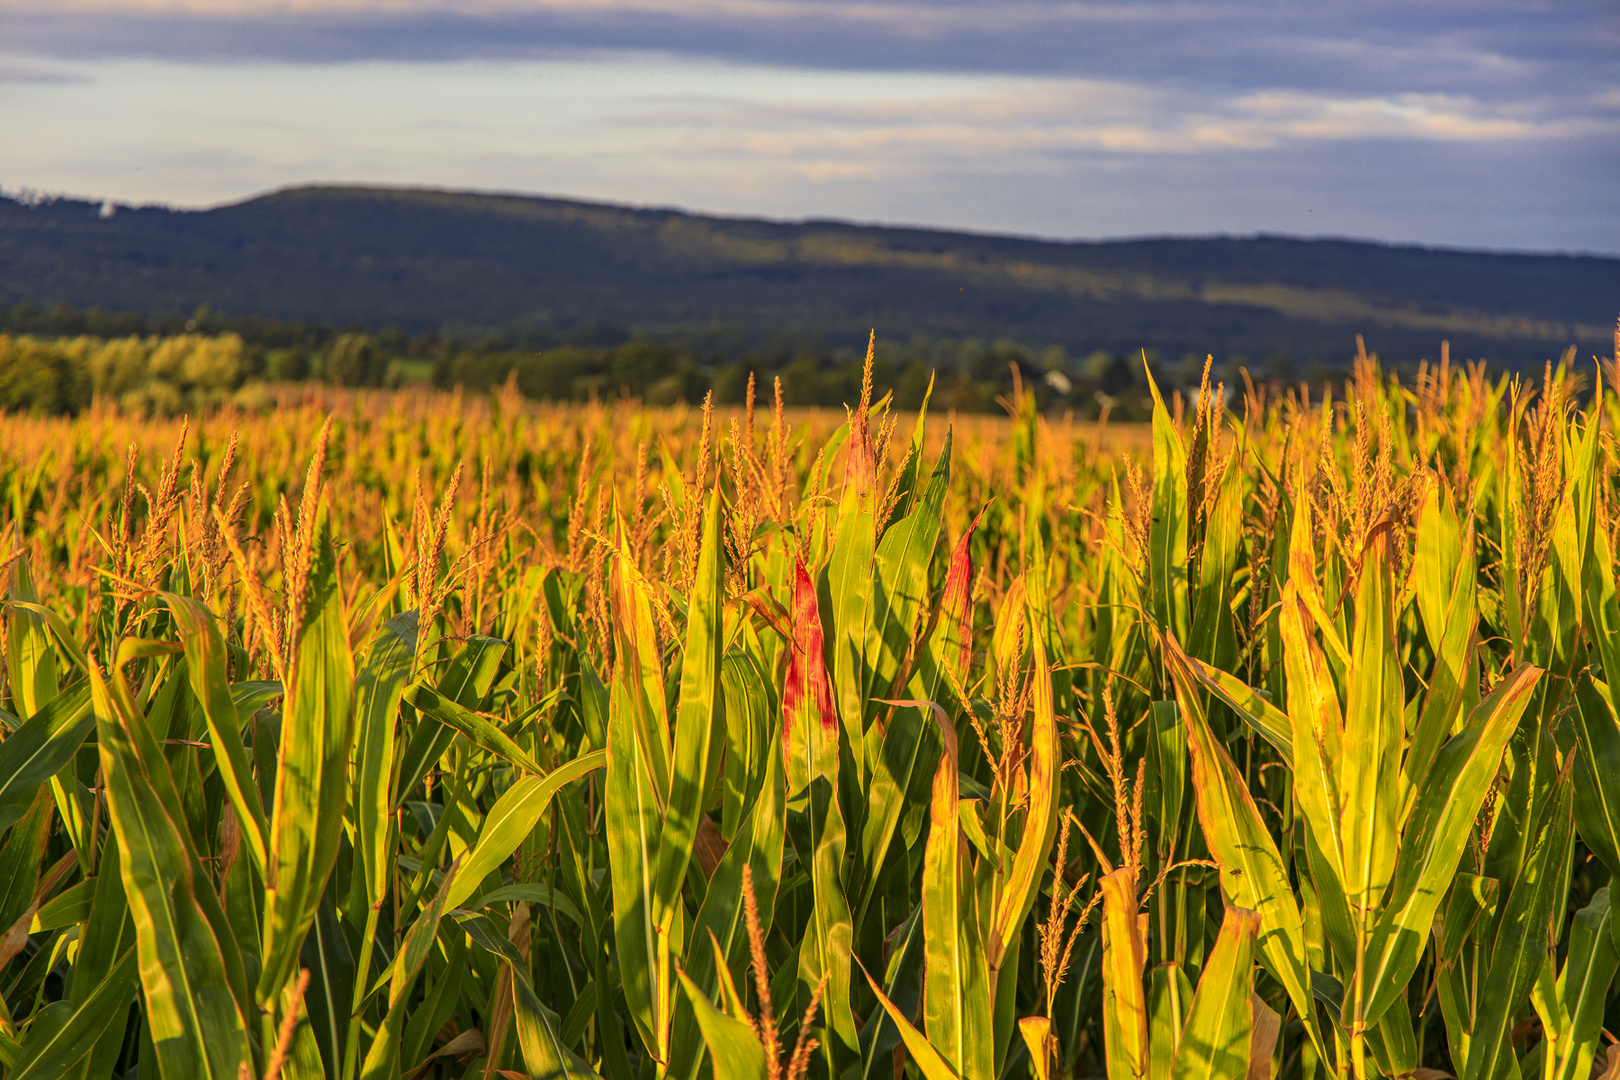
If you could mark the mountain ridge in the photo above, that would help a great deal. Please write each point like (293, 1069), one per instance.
(521, 265)
(31, 194)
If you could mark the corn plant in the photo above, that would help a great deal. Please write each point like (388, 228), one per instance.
(1272, 741)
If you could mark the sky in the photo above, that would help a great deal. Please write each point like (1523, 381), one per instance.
(1468, 123)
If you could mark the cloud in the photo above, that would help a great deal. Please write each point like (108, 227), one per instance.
(1237, 73)
(24, 72)
(1022, 120)
(1407, 45)
(1487, 122)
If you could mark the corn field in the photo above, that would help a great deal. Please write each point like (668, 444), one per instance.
(386, 737)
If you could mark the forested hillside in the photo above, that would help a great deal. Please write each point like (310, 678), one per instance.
(549, 270)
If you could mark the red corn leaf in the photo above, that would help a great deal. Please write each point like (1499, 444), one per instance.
(957, 605)
(807, 697)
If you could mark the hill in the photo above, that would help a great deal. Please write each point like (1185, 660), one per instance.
(523, 266)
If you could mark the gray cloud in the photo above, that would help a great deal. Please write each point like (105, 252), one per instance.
(1483, 48)
(1480, 124)
(1535, 64)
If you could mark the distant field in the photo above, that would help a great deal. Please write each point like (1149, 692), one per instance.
(285, 416)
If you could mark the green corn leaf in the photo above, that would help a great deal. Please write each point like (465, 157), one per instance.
(471, 672)
(903, 492)
(30, 660)
(1332, 907)
(1268, 721)
(758, 846)
(750, 737)
(513, 818)
(1471, 896)
(634, 819)
(1556, 617)
(1302, 573)
(1452, 686)
(1436, 835)
(956, 985)
(205, 663)
(1444, 578)
(732, 1044)
(1253, 875)
(379, 690)
(1519, 950)
(831, 931)
(902, 582)
(438, 1003)
(106, 933)
(849, 583)
(312, 773)
(252, 695)
(1374, 729)
(466, 681)
(53, 1054)
(1214, 635)
(382, 1056)
(1597, 796)
(727, 986)
(1166, 778)
(1394, 1043)
(1170, 995)
(41, 747)
(1317, 753)
(901, 568)
(1436, 560)
(67, 907)
(1125, 1008)
(1529, 766)
(21, 854)
(1583, 986)
(638, 677)
(929, 1060)
(1600, 747)
(699, 721)
(1040, 820)
(615, 1060)
(483, 732)
(1167, 534)
(195, 989)
(59, 628)
(534, 893)
(329, 998)
(544, 1051)
(1215, 1040)
(904, 989)
(377, 694)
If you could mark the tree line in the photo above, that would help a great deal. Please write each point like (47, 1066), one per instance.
(57, 360)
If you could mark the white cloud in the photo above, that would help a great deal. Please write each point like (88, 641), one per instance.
(25, 71)
(1022, 121)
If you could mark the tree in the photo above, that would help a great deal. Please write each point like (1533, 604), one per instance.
(356, 360)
